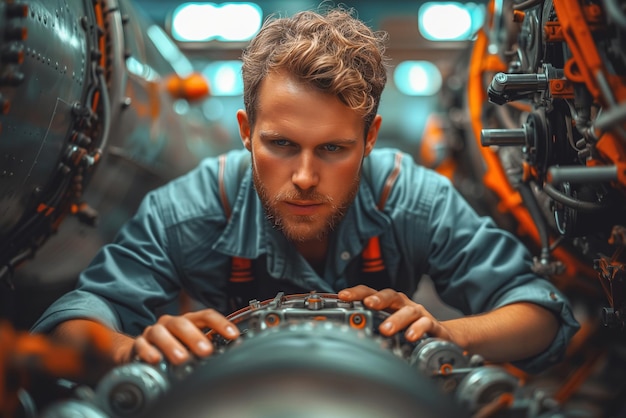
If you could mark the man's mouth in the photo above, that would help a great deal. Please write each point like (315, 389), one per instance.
(303, 207)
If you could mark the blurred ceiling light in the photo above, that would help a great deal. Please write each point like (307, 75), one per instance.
(417, 78)
(229, 22)
(224, 78)
(448, 21)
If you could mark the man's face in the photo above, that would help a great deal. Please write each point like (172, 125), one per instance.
(307, 149)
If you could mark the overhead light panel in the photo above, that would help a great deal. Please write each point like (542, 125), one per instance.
(450, 21)
(227, 22)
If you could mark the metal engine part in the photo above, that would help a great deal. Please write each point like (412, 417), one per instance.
(304, 355)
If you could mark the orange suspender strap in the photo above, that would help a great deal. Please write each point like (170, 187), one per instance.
(372, 257)
(223, 195)
(241, 268)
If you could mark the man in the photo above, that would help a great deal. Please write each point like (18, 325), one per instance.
(302, 207)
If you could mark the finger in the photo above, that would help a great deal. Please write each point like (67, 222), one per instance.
(402, 318)
(210, 318)
(160, 337)
(387, 299)
(190, 335)
(358, 292)
(421, 327)
(145, 351)
(380, 299)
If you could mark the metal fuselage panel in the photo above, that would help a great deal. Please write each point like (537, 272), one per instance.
(38, 121)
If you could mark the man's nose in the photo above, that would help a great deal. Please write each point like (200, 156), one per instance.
(305, 172)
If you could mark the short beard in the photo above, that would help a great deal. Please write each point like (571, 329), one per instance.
(269, 205)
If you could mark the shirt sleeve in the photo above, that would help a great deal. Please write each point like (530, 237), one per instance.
(477, 266)
(129, 281)
(165, 247)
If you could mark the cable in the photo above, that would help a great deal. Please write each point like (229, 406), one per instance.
(570, 201)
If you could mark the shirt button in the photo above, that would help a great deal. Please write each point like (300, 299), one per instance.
(553, 296)
(345, 256)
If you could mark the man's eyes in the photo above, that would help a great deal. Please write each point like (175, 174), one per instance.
(281, 142)
(326, 147)
(332, 147)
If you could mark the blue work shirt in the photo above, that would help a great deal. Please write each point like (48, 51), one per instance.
(181, 238)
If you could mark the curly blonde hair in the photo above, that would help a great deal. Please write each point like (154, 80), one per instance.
(332, 51)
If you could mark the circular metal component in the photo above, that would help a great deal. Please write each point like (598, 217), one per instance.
(127, 390)
(272, 319)
(440, 360)
(484, 385)
(434, 356)
(566, 218)
(314, 302)
(539, 141)
(358, 321)
(530, 42)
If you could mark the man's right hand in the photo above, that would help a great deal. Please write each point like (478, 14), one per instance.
(178, 337)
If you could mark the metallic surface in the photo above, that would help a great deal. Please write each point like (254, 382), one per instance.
(148, 142)
(303, 355)
(55, 118)
(565, 157)
(538, 141)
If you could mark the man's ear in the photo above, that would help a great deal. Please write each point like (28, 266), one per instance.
(372, 134)
(244, 129)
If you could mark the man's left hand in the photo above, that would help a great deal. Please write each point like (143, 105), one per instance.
(405, 313)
